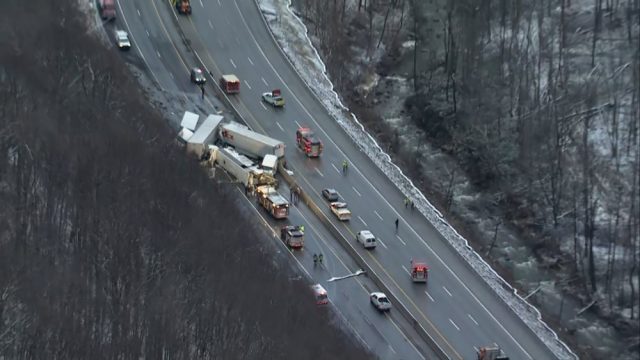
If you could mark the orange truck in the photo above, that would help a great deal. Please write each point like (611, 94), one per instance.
(107, 9)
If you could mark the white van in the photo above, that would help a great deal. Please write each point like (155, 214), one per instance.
(366, 238)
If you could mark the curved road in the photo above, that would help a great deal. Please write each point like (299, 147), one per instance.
(456, 307)
(160, 52)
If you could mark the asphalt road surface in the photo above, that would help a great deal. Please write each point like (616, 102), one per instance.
(159, 51)
(456, 307)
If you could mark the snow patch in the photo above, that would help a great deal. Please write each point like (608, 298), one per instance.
(291, 34)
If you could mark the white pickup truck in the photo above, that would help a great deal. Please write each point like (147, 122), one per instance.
(339, 209)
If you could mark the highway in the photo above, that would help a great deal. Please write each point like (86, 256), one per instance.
(456, 307)
(159, 52)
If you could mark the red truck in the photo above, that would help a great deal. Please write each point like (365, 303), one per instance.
(183, 7)
(107, 9)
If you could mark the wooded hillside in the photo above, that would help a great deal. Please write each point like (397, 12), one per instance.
(112, 243)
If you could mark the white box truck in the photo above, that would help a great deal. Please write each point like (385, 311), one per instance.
(204, 135)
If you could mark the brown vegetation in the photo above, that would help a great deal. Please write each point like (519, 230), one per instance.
(113, 244)
(540, 104)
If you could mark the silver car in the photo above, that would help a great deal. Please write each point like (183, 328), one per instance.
(122, 40)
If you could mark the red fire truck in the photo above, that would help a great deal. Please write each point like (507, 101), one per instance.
(308, 143)
(419, 271)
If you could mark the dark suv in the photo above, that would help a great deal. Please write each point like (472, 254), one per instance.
(197, 76)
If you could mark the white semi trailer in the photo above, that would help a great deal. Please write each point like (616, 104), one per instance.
(204, 135)
(240, 167)
(249, 142)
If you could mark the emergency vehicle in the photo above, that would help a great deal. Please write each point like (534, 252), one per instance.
(293, 236)
(491, 353)
(419, 271)
(320, 294)
(230, 84)
(308, 143)
(272, 201)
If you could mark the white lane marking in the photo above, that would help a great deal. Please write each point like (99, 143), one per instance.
(138, 10)
(454, 324)
(297, 123)
(171, 74)
(365, 224)
(405, 338)
(277, 123)
(399, 238)
(391, 347)
(158, 53)
(338, 171)
(148, 35)
(381, 243)
(447, 291)
(429, 296)
(472, 319)
(210, 24)
(234, 64)
(255, 41)
(264, 107)
(248, 58)
(134, 44)
(219, 3)
(248, 85)
(265, 82)
(375, 212)
(201, 4)
(405, 270)
(354, 189)
(318, 171)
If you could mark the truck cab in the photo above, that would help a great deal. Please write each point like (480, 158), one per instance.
(308, 142)
(183, 6)
(419, 271)
(491, 353)
(230, 84)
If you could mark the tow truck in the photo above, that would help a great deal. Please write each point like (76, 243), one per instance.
(273, 98)
(293, 236)
(183, 6)
(419, 271)
(308, 143)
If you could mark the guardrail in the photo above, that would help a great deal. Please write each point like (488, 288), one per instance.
(315, 209)
(362, 263)
(555, 344)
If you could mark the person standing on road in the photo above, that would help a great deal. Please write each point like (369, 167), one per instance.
(202, 90)
(397, 222)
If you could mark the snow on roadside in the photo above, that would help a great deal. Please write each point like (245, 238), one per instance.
(291, 34)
